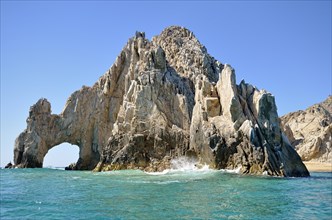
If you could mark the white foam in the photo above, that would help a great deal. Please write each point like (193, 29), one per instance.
(158, 173)
(237, 170)
(76, 177)
(54, 168)
(186, 164)
(183, 165)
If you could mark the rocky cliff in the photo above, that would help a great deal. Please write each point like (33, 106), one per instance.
(310, 131)
(164, 99)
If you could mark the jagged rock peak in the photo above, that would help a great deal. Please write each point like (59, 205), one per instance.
(186, 54)
(326, 104)
(177, 31)
(180, 36)
(139, 34)
(161, 100)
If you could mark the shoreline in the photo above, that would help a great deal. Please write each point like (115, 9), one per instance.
(318, 166)
(311, 166)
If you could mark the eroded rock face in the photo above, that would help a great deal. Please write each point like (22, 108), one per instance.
(83, 122)
(310, 131)
(164, 99)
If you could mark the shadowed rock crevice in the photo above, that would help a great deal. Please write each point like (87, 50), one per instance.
(163, 99)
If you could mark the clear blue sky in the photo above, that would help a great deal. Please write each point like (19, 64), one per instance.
(50, 49)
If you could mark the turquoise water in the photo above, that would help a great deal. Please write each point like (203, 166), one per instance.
(58, 194)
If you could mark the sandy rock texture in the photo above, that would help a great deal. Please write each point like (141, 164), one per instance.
(164, 99)
(310, 131)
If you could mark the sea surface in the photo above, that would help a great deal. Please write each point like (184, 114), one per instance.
(183, 193)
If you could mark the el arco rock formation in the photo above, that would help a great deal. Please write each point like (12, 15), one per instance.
(164, 99)
(310, 131)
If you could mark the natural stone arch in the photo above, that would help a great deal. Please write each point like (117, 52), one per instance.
(45, 131)
(62, 155)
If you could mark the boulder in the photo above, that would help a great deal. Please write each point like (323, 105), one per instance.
(9, 165)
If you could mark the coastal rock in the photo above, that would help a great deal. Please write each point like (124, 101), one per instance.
(161, 100)
(310, 131)
(71, 166)
(9, 165)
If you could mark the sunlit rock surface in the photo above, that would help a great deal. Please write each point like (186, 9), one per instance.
(310, 131)
(160, 100)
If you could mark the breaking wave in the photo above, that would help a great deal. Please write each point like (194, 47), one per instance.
(183, 165)
(187, 164)
(237, 170)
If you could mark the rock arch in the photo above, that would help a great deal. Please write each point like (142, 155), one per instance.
(45, 131)
(62, 155)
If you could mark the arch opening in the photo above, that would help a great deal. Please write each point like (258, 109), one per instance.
(61, 156)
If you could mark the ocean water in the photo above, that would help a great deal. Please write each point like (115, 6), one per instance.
(183, 193)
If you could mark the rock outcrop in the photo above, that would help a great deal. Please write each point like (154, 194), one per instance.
(164, 99)
(310, 131)
(9, 165)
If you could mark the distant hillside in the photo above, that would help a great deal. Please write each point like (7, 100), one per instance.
(310, 131)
